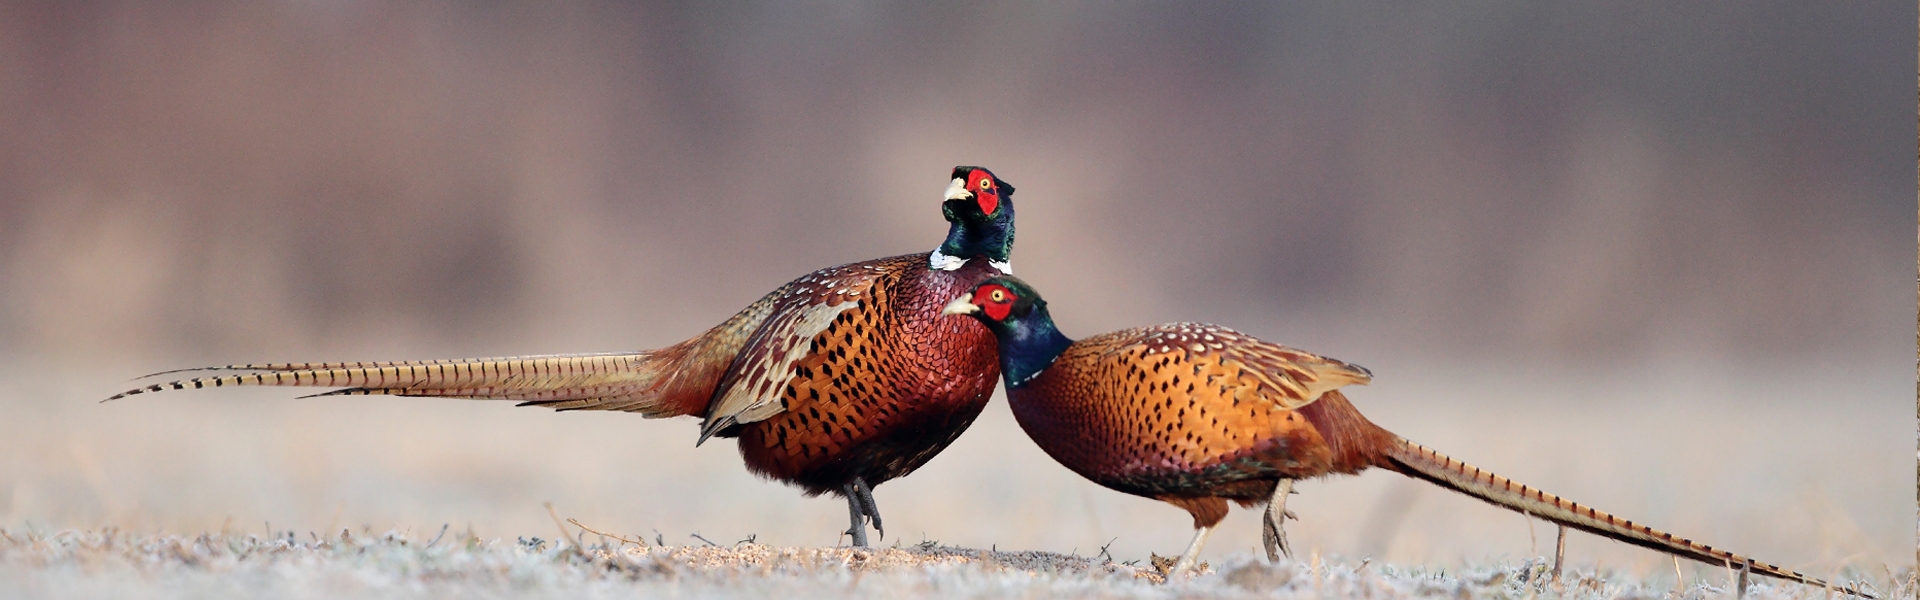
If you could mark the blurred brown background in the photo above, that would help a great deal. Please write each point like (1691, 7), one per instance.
(1647, 256)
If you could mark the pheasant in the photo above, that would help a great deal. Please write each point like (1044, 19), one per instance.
(835, 382)
(1195, 415)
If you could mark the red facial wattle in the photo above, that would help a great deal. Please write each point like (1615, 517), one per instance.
(981, 184)
(994, 300)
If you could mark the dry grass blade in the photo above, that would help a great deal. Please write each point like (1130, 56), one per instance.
(576, 523)
(564, 536)
(1559, 552)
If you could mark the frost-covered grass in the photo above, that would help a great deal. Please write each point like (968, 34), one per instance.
(118, 564)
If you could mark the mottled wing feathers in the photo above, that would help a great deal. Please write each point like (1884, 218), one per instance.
(1251, 369)
(842, 376)
(752, 388)
(752, 391)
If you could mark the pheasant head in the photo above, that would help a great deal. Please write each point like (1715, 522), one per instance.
(1018, 318)
(979, 210)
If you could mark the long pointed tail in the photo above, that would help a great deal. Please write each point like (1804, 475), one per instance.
(1421, 462)
(655, 383)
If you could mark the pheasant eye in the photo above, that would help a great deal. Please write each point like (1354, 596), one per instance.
(987, 196)
(998, 296)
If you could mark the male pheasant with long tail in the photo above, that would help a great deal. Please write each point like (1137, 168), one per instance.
(835, 382)
(1195, 415)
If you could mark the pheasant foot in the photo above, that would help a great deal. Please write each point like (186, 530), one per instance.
(860, 508)
(1273, 533)
(1186, 561)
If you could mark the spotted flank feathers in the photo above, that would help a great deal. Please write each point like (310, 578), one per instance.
(1184, 409)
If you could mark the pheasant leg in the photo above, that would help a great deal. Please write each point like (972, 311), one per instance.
(859, 528)
(1186, 562)
(860, 508)
(1273, 533)
(872, 508)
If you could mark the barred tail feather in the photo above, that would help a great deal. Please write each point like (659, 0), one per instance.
(1422, 463)
(636, 381)
(377, 364)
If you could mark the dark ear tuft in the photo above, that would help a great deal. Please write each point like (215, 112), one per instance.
(1026, 305)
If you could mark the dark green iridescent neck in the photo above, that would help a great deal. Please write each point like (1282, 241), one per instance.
(971, 234)
(1028, 345)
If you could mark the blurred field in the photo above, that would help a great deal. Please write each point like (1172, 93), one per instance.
(1648, 257)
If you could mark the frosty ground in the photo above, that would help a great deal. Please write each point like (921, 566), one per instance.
(109, 563)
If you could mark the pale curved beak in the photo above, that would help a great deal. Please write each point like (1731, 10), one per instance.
(962, 305)
(958, 190)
